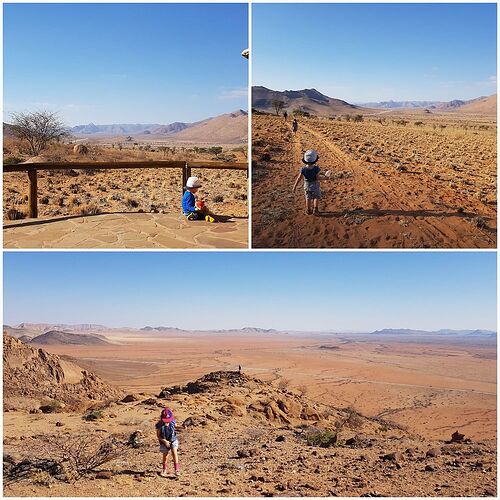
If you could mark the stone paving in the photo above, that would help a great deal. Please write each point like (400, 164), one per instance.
(130, 230)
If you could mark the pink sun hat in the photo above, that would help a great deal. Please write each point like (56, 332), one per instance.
(167, 415)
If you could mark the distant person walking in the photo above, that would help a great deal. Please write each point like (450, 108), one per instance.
(239, 369)
(311, 175)
(295, 126)
(165, 432)
(285, 115)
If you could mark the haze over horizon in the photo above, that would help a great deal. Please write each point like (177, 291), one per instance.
(286, 291)
(377, 52)
(182, 63)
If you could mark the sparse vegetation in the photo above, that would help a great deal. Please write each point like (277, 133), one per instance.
(38, 129)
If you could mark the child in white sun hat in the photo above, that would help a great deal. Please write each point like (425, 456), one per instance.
(311, 175)
(192, 209)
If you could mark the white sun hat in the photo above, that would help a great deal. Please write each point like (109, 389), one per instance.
(311, 156)
(193, 182)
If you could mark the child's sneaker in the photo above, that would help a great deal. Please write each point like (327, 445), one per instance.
(164, 473)
(209, 218)
(192, 216)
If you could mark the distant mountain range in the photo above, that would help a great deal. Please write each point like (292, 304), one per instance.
(314, 102)
(480, 105)
(228, 128)
(407, 331)
(31, 330)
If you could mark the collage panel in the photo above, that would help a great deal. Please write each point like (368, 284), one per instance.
(121, 140)
(379, 129)
(219, 261)
(382, 384)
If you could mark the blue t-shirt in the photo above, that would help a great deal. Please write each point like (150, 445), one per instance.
(188, 203)
(167, 431)
(310, 173)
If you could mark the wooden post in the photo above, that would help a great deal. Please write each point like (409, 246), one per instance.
(186, 173)
(32, 195)
(184, 176)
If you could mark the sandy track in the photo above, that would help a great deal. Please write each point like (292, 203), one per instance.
(367, 205)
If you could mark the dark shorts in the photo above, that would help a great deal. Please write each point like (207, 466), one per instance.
(195, 216)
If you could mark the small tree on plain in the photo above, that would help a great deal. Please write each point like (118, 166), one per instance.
(38, 129)
(278, 106)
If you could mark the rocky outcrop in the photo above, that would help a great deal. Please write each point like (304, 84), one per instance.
(34, 377)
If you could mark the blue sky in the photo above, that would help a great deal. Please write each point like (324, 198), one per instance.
(360, 291)
(125, 63)
(375, 52)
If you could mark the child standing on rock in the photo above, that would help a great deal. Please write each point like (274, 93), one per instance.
(165, 432)
(311, 175)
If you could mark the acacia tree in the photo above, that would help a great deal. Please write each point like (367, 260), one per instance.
(38, 129)
(278, 106)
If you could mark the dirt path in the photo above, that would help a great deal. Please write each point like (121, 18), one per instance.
(364, 205)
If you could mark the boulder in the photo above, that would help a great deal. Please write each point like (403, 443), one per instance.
(80, 149)
(129, 398)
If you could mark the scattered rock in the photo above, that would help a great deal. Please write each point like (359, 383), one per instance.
(430, 468)
(395, 456)
(280, 438)
(59, 424)
(129, 398)
(104, 474)
(136, 439)
(456, 437)
(433, 452)
(149, 401)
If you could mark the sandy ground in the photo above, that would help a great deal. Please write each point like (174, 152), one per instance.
(428, 183)
(410, 395)
(87, 192)
(431, 388)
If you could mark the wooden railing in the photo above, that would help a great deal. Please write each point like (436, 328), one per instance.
(32, 169)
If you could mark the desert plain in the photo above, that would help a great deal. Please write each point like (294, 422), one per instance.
(399, 398)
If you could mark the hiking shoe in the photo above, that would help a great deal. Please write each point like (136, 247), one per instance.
(164, 473)
(209, 218)
(192, 216)
(177, 473)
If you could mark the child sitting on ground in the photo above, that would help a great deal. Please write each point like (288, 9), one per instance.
(311, 175)
(165, 432)
(192, 209)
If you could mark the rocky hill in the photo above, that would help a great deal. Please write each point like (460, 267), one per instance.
(241, 436)
(55, 337)
(33, 378)
(230, 128)
(308, 100)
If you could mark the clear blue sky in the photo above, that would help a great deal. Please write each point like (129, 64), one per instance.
(375, 52)
(298, 291)
(125, 63)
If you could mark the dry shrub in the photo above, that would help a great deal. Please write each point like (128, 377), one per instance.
(283, 384)
(15, 214)
(90, 209)
(83, 454)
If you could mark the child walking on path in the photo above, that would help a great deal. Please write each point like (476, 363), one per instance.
(311, 175)
(191, 208)
(165, 432)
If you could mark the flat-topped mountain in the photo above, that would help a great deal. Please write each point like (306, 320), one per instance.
(55, 337)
